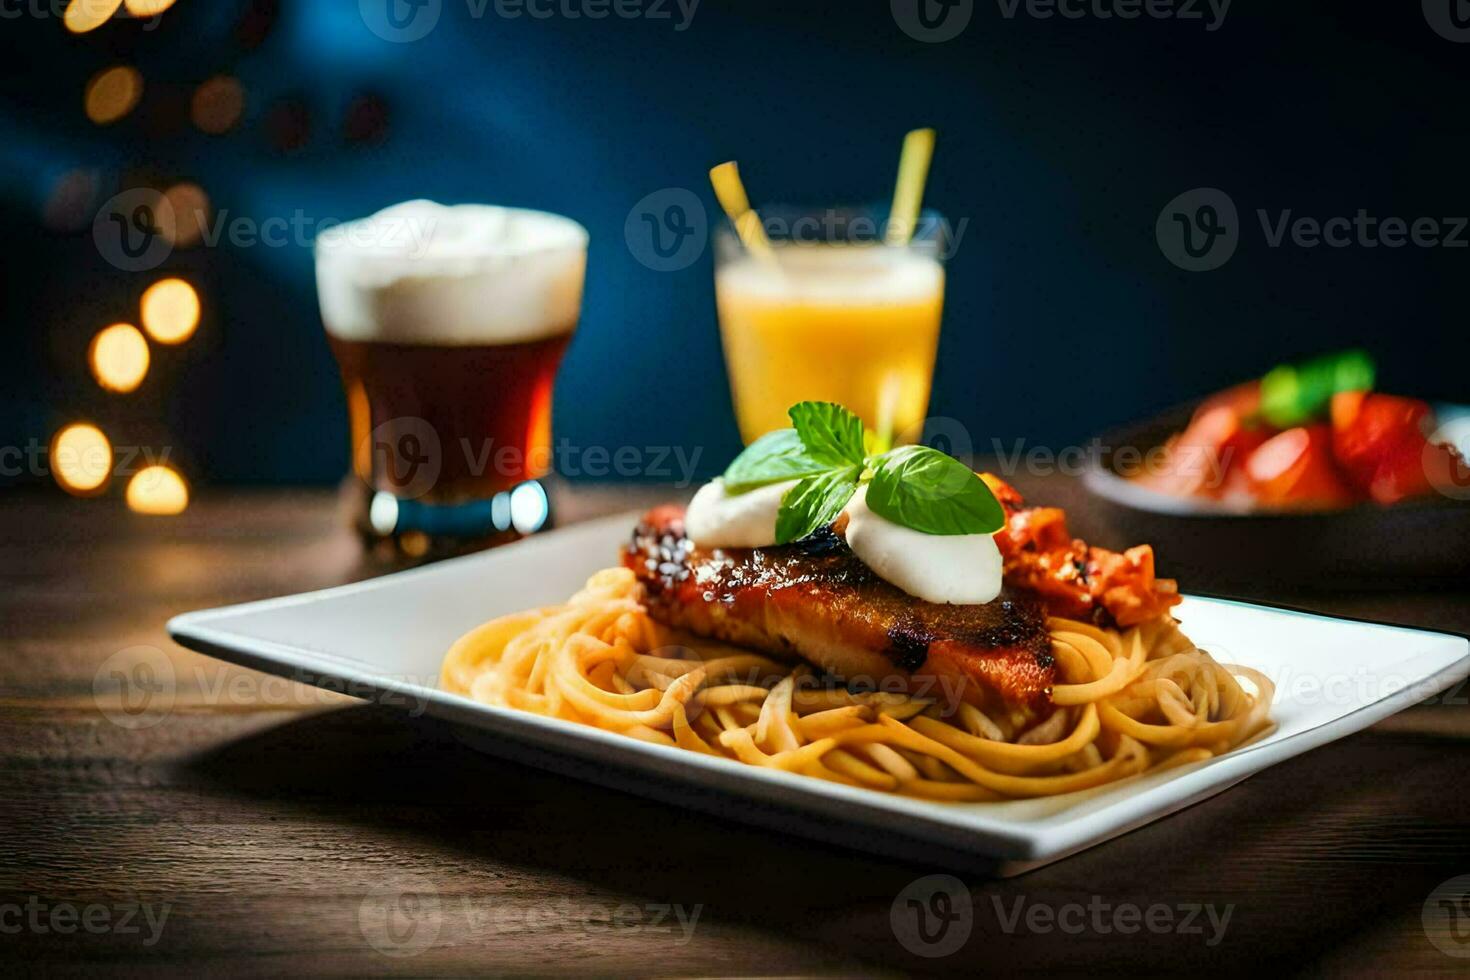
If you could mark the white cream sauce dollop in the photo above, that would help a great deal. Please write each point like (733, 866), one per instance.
(716, 519)
(960, 569)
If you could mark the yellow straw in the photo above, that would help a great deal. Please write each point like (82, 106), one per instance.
(732, 197)
(908, 195)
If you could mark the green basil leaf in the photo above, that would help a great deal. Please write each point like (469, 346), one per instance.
(773, 458)
(924, 489)
(814, 503)
(1292, 394)
(830, 433)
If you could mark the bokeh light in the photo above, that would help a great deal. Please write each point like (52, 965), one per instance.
(148, 8)
(529, 507)
(189, 214)
(81, 459)
(119, 358)
(217, 105)
(170, 311)
(113, 93)
(87, 15)
(158, 491)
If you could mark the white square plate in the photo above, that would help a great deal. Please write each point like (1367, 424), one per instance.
(383, 639)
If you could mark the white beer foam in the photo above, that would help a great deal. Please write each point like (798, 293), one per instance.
(835, 275)
(424, 273)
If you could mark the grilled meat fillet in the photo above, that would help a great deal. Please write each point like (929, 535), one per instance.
(818, 601)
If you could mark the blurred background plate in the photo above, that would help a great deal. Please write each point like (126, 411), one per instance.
(1418, 543)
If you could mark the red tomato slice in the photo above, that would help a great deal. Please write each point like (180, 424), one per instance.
(1295, 469)
(1371, 431)
(1196, 460)
(1233, 483)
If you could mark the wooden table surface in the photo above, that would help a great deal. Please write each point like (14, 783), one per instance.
(262, 827)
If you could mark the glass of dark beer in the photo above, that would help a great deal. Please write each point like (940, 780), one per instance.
(449, 324)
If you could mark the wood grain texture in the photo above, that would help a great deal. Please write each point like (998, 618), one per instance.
(270, 828)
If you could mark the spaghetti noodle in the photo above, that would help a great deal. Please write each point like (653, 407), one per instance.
(1132, 701)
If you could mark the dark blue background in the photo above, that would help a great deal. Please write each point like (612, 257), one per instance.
(1060, 141)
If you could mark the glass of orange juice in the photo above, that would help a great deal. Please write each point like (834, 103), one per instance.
(835, 314)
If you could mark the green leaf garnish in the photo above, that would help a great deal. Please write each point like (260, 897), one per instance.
(1295, 393)
(830, 433)
(773, 458)
(915, 486)
(928, 491)
(815, 502)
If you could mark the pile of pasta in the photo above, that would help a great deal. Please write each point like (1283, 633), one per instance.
(1132, 701)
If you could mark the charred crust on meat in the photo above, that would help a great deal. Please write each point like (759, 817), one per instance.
(823, 541)
(740, 595)
(909, 641)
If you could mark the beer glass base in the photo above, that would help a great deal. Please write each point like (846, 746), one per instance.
(418, 529)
